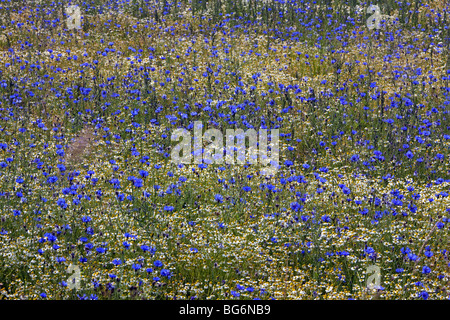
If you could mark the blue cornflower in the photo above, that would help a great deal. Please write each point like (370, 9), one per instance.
(158, 263)
(424, 295)
(136, 266)
(138, 183)
(117, 262)
(218, 198)
(143, 173)
(62, 203)
(166, 273)
(100, 250)
(409, 154)
(235, 294)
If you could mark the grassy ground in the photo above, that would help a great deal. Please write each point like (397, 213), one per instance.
(86, 176)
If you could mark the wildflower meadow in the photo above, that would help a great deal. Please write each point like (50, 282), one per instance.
(224, 149)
